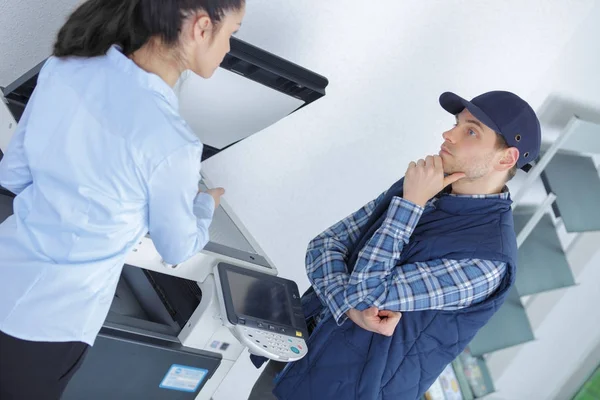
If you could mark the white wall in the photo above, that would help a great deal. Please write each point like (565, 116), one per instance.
(27, 32)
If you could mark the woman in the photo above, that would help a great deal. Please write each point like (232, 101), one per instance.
(101, 157)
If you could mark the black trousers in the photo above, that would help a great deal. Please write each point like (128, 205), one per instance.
(263, 388)
(37, 370)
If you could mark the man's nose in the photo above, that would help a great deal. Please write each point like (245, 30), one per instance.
(449, 136)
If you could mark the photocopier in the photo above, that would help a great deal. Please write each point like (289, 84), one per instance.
(174, 332)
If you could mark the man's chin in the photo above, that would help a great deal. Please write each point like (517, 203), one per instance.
(448, 172)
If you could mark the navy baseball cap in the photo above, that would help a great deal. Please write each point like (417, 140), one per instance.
(508, 115)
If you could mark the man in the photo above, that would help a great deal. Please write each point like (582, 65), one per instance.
(400, 287)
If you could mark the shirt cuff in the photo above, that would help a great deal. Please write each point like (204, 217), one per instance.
(403, 217)
(338, 305)
(204, 206)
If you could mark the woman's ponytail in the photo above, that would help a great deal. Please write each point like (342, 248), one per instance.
(98, 24)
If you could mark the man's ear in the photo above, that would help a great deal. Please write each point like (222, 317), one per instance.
(509, 158)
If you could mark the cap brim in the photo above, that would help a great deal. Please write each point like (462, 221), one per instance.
(454, 104)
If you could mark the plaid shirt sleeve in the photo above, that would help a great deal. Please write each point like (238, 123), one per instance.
(378, 280)
(436, 285)
(327, 254)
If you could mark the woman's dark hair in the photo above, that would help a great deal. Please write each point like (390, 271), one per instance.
(98, 24)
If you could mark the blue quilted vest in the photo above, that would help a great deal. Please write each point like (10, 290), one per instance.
(347, 362)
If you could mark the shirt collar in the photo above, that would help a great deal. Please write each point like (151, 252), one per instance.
(147, 80)
(502, 195)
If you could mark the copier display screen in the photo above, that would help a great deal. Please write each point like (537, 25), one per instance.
(262, 299)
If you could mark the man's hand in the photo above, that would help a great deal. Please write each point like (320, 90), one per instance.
(425, 178)
(216, 195)
(379, 321)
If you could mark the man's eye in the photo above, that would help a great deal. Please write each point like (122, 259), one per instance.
(472, 132)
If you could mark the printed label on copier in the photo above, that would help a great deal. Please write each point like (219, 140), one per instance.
(182, 378)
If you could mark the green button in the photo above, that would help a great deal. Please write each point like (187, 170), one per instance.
(295, 350)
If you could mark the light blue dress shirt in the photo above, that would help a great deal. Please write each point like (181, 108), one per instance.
(100, 157)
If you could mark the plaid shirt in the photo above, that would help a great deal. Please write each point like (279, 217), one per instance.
(376, 281)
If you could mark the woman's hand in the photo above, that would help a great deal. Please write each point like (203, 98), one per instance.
(216, 195)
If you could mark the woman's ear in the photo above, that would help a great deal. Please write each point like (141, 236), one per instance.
(202, 26)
